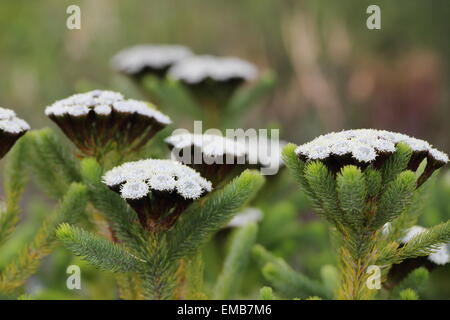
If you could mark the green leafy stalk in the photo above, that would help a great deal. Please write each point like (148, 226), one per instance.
(236, 261)
(289, 282)
(14, 184)
(28, 260)
(98, 251)
(207, 216)
(266, 293)
(52, 163)
(422, 244)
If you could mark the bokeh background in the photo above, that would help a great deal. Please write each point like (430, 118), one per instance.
(332, 73)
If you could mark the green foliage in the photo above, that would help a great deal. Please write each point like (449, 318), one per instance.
(236, 261)
(130, 286)
(121, 218)
(266, 293)
(98, 251)
(289, 282)
(205, 217)
(158, 254)
(396, 163)
(408, 294)
(190, 278)
(23, 234)
(14, 274)
(422, 244)
(352, 192)
(52, 163)
(297, 167)
(15, 176)
(72, 206)
(359, 201)
(314, 298)
(373, 182)
(415, 280)
(323, 185)
(329, 276)
(14, 183)
(397, 197)
(408, 217)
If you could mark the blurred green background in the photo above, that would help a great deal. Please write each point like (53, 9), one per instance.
(332, 72)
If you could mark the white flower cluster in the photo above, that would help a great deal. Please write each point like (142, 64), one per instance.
(135, 59)
(195, 69)
(440, 256)
(10, 123)
(364, 145)
(103, 103)
(209, 144)
(247, 216)
(139, 177)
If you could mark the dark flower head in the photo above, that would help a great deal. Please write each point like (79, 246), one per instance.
(219, 158)
(158, 190)
(364, 147)
(98, 121)
(213, 78)
(11, 129)
(142, 60)
(214, 156)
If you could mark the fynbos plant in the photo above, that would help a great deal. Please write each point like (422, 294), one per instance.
(438, 257)
(159, 212)
(204, 87)
(158, 190)
(359, 180)
(213, 81)
(156, 221)
(99, 122)
(16, 268)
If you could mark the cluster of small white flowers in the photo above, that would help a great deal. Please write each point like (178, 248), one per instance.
(135, 59)
(10, 123)
(209, 144)
(440, 256)
(363, 145)
(247, 216)
(198, 68)
(139, 177)
(103, 103)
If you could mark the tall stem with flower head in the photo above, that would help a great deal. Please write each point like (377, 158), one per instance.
(360, 180)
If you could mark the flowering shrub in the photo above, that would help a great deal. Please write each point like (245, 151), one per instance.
(361, 180)
(156, 223)
(100, 121)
